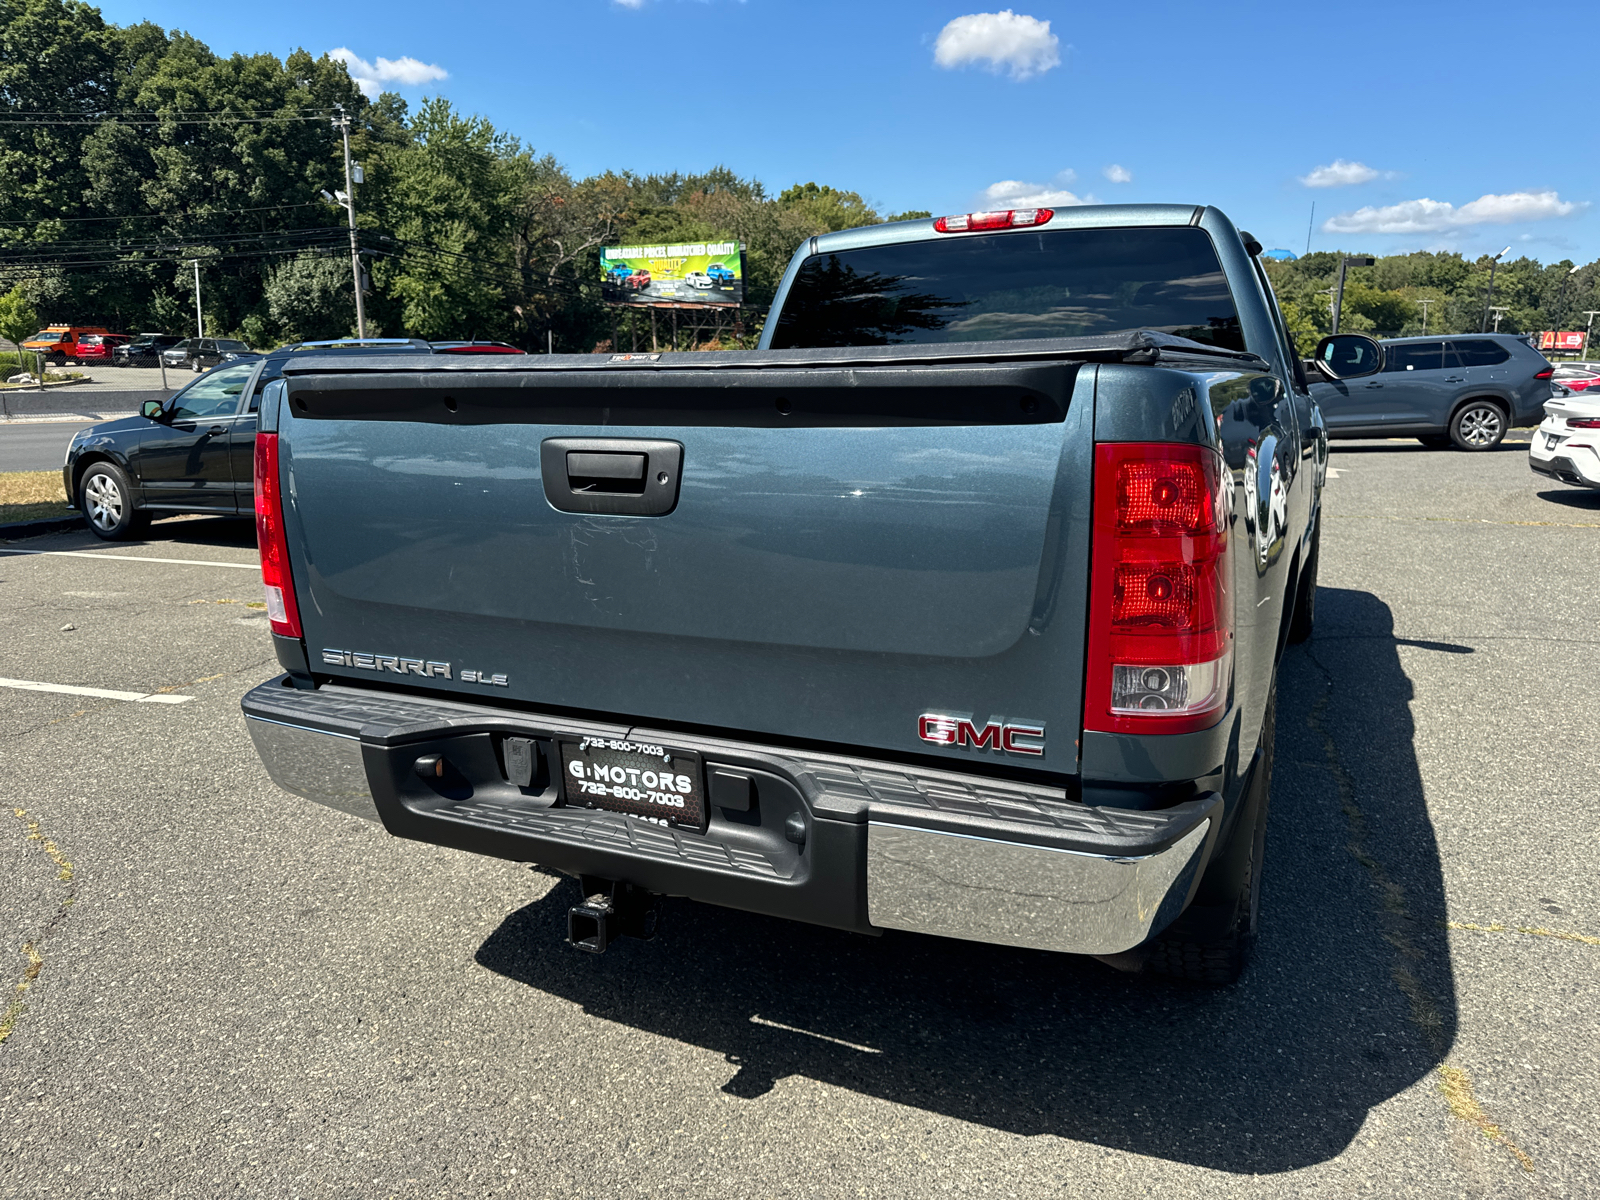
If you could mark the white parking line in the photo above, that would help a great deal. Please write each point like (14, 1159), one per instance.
(28, 685)
(187, 562)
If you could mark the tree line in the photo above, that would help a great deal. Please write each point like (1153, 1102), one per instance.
(127, 153)
(130, 153)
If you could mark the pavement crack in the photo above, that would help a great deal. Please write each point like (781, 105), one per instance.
(1530, 930)
(1396, 922)
(33, 948)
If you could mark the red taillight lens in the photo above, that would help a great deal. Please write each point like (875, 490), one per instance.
(1545, 374)
(282, 610)
(1160, 609)
(1583, 422)
(1010, 218)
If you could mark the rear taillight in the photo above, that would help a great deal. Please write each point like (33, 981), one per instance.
(1583, 422)
(1160, 604)
(1545, 374)
(1010, 218)
(281, 608)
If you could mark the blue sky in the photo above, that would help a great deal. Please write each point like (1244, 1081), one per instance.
(1412, 126)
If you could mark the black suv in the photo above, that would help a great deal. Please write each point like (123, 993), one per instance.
(199, 353)
(195, 451)
(142, 351)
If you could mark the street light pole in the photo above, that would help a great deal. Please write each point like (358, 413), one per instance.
(342, 124)
(1588, 330)
(1424, 304)
(1338, 297)
(1493, 263)
(1562, 299)
(1498, 313)
(199, 317)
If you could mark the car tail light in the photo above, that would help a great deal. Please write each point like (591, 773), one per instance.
(1160, 604)
(1545, 374)
(1010, 218)
(282, 610)
(1583, 422)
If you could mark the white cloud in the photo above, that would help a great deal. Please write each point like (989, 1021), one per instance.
(1014, 193)
(370, 77)
(1022, 44)
(631, 3)
(1118, 174)
(1340, 173)
(1430, 216)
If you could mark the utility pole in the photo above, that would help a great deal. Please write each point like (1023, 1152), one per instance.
(1424, 304)
(1493, 263)
(342, 124)
(199, 317)
(1338, 297)
(1498, 313)
(1561, 300)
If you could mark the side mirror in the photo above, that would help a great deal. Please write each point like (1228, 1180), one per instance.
(150, 410)
(1348, 356)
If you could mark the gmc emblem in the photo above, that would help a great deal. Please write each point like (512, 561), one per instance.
(944, 730)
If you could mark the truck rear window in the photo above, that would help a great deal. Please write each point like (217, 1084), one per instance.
(1004, 286)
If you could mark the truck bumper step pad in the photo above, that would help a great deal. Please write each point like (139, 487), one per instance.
(830, 839)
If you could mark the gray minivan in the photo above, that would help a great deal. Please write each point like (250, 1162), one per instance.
(1464, 390)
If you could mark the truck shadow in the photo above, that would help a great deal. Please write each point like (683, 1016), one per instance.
(1348, 1002)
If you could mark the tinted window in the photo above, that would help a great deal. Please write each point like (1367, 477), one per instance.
(1481, 353)
(227, 345)
(217, 395)
(1414, 356)
(1045, 284)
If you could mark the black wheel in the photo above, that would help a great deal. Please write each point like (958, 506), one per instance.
(1478, 425)
(1436, 441)
(1305, 600)
(1212, 942)
(106, 499)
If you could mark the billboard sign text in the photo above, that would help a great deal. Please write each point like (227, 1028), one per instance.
(692, 273)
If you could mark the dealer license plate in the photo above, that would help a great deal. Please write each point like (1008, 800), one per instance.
(644, 780)
(1552, 440)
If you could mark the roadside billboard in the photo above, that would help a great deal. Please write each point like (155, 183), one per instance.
(692, 273)
(1566, 341)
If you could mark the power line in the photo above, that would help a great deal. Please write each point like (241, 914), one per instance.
(215, 212)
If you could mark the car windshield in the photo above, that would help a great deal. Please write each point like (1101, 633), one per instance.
(1000, 287)
(46, 335)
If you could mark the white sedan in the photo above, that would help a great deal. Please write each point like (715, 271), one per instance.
(1567, 445)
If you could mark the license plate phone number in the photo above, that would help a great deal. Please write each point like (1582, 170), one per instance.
(665, 788)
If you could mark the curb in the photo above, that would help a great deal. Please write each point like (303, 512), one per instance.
(27, 529)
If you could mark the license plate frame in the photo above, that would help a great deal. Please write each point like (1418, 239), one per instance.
(1552, 440)
(611, 774)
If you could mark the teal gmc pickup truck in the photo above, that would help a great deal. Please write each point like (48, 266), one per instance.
(955, 607)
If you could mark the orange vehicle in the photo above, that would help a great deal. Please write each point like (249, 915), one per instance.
(60, 342)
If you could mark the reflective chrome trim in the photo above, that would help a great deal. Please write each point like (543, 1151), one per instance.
(984, 890)
(321, 766)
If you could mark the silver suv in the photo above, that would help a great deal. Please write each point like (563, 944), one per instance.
(1464, 390)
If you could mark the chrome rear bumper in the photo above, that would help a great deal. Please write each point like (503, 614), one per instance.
(886, 846)
(985, 890)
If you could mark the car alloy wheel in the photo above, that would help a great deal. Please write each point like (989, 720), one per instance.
(1479, 426)
(104, 502)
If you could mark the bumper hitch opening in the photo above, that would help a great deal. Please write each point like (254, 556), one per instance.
(611, 909)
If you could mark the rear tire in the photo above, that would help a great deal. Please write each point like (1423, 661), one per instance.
(105, 497)
(1220, 959)
(1478, 425)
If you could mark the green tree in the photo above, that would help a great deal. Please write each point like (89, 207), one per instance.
(18, 319)
(829, 207)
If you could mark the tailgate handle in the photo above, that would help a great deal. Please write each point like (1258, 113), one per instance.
(591, 472)
(624, 477)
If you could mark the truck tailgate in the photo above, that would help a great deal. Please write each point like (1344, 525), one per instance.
(849, 548)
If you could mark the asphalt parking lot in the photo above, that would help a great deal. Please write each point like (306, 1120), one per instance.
(208, 986)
